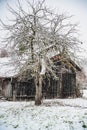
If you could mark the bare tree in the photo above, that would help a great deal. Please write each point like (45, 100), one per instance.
(34, 36)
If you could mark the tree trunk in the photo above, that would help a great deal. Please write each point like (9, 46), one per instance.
(38, 96)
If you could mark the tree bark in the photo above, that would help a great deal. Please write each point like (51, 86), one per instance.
(38, 96)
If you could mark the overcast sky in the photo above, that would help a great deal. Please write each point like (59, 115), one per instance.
(78, 8)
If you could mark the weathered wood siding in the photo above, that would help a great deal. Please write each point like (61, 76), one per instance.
(51, 88)
(68, 84)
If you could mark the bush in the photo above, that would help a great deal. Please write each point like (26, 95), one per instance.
(77, 91)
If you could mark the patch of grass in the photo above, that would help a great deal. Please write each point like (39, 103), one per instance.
(15, 126)
(2, 116)
(84, 126)
(5, 122)
(47, 126)
(69, 122)
(85, 113)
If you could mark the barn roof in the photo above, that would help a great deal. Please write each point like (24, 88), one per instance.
(68, 61)
(6, 68)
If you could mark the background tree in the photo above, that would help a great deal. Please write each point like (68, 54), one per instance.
(3, 53)
(34, 36)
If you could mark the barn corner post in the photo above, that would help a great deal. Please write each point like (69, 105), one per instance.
(61, 95)
(38, 84)
(14, 91)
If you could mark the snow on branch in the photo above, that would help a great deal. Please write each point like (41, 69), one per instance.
(43, 67)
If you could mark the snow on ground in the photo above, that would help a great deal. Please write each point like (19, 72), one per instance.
(55, 114)
(85, 93)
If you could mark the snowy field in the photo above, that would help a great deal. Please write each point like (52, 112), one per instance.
(58, 114)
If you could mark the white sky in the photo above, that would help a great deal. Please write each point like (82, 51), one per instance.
(76, 8)
(71, 7)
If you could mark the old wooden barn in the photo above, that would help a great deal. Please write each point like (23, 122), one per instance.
(62, 87)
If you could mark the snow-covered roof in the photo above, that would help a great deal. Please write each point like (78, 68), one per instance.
(7, 69)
